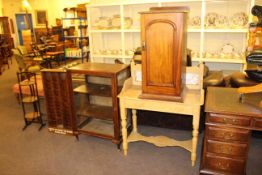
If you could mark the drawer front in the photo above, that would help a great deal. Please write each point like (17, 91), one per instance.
(216, 133)
(257, 123)
(227, 149)
(229, 120)
(225, 165)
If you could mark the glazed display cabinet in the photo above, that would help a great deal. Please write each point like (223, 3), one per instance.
(88, 106)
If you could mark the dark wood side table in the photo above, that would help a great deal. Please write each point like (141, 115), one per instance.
(229, 123)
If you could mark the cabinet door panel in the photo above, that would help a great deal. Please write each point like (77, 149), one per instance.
(159, 46)
(162, 35)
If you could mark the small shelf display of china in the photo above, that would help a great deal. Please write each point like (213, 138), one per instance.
(217, 30)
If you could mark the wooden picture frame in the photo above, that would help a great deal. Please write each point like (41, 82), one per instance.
(41, 17)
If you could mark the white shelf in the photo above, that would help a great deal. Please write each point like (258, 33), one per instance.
(111, 56)
(223, 60)
(105, 31)
(188, 30)
(192, 30)
(220, 60)
(135, 30)
(226, 30)
(200, 39)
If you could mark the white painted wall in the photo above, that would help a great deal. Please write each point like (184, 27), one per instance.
(1, 8)
(54, 10)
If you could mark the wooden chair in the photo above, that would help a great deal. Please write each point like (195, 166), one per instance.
(25, 64)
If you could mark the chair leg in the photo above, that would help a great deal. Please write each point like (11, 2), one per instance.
(42, 125)
(26, 125)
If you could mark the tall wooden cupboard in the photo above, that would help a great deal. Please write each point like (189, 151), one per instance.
(163, 37)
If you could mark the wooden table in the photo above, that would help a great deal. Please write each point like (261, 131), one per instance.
(53, 56)
(129, 99)
(229, 123)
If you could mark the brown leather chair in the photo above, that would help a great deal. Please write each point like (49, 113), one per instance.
(213, 78)
(239, 79)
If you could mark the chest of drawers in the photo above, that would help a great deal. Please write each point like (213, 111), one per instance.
(228, 127)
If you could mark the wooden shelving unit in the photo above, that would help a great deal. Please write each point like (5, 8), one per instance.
(77, 38)
(31, 114)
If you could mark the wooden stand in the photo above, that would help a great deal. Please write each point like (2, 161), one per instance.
(34, 116)
(193, 99)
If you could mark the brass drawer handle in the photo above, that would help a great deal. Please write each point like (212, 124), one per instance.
(225, 149)
(225, 120)
(228, 135)
(221, 166)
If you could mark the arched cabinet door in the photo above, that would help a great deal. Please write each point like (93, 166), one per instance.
(163, 36)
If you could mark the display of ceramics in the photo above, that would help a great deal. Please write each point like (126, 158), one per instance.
(221, 21)
(239, 19)
(104, 22)
(128, 22)
(195, 54)
(210, 19)
(195, 21)
(112, 23)
(214, 20)
(129, 52)
(116, 22)
(227, 49)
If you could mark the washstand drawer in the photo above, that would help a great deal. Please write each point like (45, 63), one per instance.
(227, 149)
(229, 120)
(225, 165)
(216, 133)
(257, 123)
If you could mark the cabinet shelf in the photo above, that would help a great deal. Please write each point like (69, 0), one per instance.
(97, 111)
(29, 99)
(95, 89)
(93, 126)
(32, 115)
(26, 83)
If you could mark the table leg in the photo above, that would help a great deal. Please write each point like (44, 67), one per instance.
(134, 118)
(196, 118)
(124, 129)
